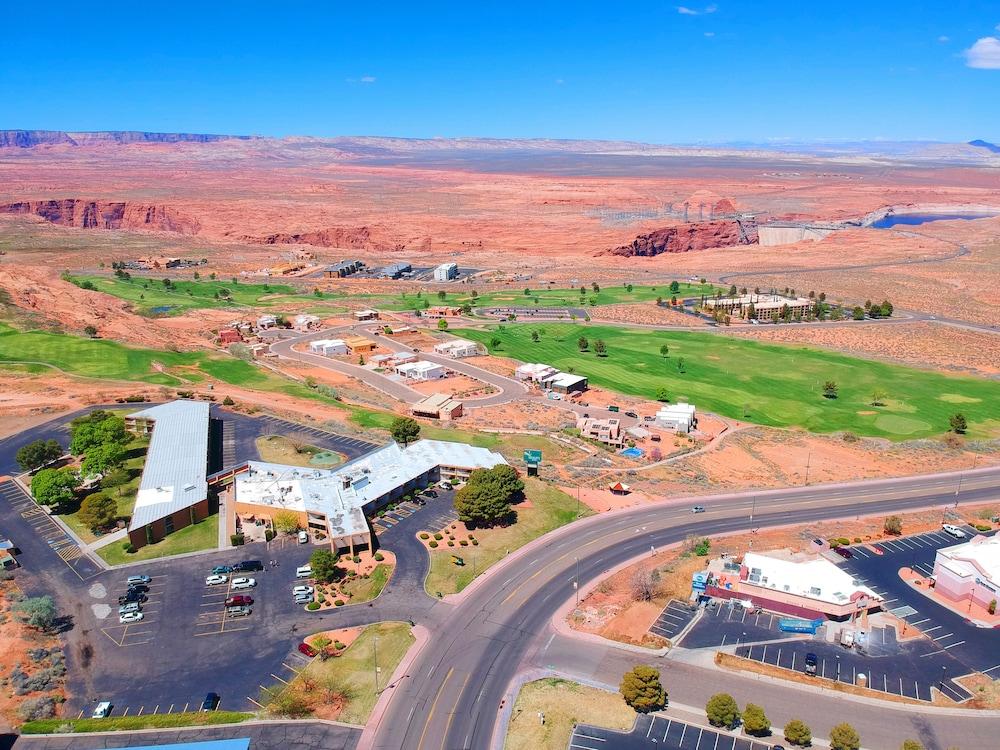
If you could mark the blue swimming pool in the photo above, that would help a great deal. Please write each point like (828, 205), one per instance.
(632, 452)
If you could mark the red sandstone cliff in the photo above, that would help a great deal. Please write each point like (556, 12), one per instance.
(83, 214)
(684, 238)
(357, 238)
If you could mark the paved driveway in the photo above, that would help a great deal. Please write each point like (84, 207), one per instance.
(663, 733)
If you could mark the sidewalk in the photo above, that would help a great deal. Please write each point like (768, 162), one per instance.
(107, 539)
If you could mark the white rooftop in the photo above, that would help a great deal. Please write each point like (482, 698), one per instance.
(173, 477)
(980, 556)
(816, 578)
(680, 409)
(564, 379)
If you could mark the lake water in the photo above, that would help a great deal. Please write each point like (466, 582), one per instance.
(893, 220)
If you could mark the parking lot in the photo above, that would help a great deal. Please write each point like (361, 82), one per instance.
(673, 619)
(727, 624)
(662, 733)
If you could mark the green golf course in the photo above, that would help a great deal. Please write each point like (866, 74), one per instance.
(762, 383)
(547, 297)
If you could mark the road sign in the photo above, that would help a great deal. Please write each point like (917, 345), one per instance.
(533, 457)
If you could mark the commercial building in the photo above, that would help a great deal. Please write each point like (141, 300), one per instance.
(328, 347)
(680, 417)
(286, 269)
(421, 370)
(366, 315)
(446, 272)
(342, 269)
(173, 491)
(761, 306)
(395, 270)
(442, 311)
(359, 345)
(457, 348)
(801, 584)
(335, 502)
(969, 572)
(438, 406)
(607, 431)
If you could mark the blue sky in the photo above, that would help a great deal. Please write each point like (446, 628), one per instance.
(655, 72)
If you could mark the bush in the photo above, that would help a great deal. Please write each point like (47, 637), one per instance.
(641, 689)
(268, 535)
(722, 711)
(320, 642)
(236, 539)
(31, 709)
(702, 547)
(433, 544)
(451, 543)
(755, 721)
(463, 542)
(356, 559)
(338, 603)
(981, 527)
(228, 401)
(798, 733)
(339, 645)
(993, 607)
(911, 745)
(424, 535)
(844, 737)
(438, 537)
(312, 606)
(379, 557)
(857, 540)
(844, 541)
(893, 525)
(475, 542)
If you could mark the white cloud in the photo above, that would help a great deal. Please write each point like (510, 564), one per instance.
(985, 54)
(944, 39)
(709, 34)
(367, 79)
(560, 82)
(686, 11)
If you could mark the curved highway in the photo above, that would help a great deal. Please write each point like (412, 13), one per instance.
(453, 691)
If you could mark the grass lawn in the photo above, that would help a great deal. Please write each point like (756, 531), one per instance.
(124, 494)
(608, 295)
(564, 704)
(366, 589)
(202, 535)
(550, 509)
(278, 449)
(768, 384)
(129, 723)
(350, 677)
(150, 297)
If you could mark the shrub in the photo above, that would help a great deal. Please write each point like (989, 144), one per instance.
(798, 733)
(228, 401)
(911, 745)
(268, 535)
(338, 603)
(641, 689)
(475, 542)
(433, 544)
(451, 543)
(702, 547)
(834, 543)
(379, 557)
(339, 645)
(722, 711)
(993, 606)
(982, 527)
(236, 539)
(463, 543)
(893, 525)
(857, 540)
(844, 737)
(31, 709)
(755, 721)
(439, 537)
(356, 559)
(312, 606)
(320, 642)
(424, 535)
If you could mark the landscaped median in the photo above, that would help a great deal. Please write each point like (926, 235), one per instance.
(131, 723)
(545, 508)
(343, 686)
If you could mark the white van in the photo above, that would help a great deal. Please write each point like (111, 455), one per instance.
(102, 710)
(305, 571)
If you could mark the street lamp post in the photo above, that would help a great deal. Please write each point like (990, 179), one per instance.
(576, 583)
(808, 461)
(375, 661)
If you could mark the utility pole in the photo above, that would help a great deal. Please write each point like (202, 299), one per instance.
(578, 501)
(375, 661)
(808, 461)
(576, 583)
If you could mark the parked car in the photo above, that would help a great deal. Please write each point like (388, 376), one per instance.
(649, 419)
(307, 650)
(132, 596)
(244, 583)
(631, 414)
(102, 710)
(240, 600)
(430, 493)
(303, 537)
(302, 599)
(305, 571)
(129, 617)
(698, 509)
(140, 587)
(655, 438)
(220, 569)
(299, 590)
(131, 580)
(811, 662)
(844, 552)
(216, 579)
(444, 484)
(248, 566)
(953, 530)
(211, 702)
(129, 607)
(241, 611)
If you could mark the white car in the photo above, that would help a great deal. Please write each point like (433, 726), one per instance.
(305, 571)
(138, 580)
(303, 537)
(302, 591)
(956, 532)
(130, 607)
(102, 710)
(244, 583)
(215, 580)
(128, 617)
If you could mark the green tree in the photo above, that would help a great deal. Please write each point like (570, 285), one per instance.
(324, 566)
(582, 343)
(911, 745)
(844, 737)
(442, 294)
(54, 487)
(958, 423)
(596, 287)
(527, 292)
(674, 287)
(102, 458)
(535, 336)
(97, 428)
(495, 342)
(37, 612)
(90, 330)
(641, 689)
(680, 365)
(442, 325)
(798, 733)
(755, 721)
(829, 389)
(628, 287)
(34, 455)
(98, 511)
(886, 309)
(286, 521)
(116, 479)
(404, 430)
(665, 351)
(722, 711)
(858, 313)
(662, 394)
(600, 348)
(487, 497)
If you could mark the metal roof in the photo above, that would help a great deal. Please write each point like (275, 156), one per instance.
(176, 463)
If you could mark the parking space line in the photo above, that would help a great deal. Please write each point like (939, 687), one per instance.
(952, 645)
(942, 637)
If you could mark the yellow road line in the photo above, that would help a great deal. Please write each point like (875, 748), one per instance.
(430, 716)
(451, 716)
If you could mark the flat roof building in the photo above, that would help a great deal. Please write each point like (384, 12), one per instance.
(680, 417)
(534, 371)
(357, 344)
(328, 347)
(969, 572)
(438, 406)
(173, 491)
(342, 269)
(395, 270)
(366, 315)
(457, 348)
(607, 431)
(421, 370)
(564, 382)
(761, 306)
(446, 272)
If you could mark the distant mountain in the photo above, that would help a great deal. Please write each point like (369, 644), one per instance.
(31, 138)
(992, 147)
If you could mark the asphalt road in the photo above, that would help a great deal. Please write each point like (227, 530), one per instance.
(459, 680)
